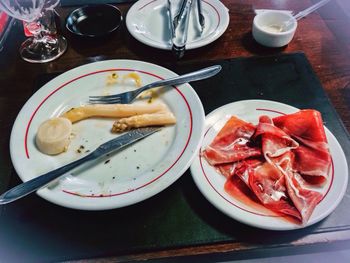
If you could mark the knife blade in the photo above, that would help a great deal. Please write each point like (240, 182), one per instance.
(111, 146)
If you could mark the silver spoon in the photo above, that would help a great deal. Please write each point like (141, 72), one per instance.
(299, 15)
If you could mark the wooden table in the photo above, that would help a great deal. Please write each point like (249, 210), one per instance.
(324, 37)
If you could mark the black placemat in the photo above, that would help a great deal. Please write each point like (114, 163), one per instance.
(36, 230)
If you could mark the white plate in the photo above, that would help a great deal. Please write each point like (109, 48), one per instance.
(211, 183)
(147, 21)
(130, 176)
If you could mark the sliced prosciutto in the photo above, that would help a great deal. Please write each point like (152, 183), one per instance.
(268, 184)
(304, 199)
(291, 157)
(278, 163)
(306, 126)
(314, 165)
(263, 182)
(232, 143)
(245, 167)
(274, 141)
(226, 169)
(312, 157)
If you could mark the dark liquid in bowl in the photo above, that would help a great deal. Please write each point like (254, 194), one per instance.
(95, 25)
(96, 20)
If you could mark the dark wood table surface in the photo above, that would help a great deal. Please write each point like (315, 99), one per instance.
(323, 36)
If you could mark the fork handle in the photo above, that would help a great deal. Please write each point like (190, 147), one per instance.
(193, 76)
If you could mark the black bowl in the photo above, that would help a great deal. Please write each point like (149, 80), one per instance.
(94, 20)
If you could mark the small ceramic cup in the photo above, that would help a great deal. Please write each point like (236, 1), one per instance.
(268, 29)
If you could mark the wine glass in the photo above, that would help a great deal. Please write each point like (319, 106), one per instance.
(38, 17)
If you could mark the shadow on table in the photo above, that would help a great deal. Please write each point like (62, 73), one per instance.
(249, 43)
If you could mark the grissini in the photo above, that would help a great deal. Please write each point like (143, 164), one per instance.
(112, 110)
(144, 120)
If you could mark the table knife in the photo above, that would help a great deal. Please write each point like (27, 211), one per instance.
(111, 146)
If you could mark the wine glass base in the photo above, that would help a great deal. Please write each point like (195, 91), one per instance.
(43, 51)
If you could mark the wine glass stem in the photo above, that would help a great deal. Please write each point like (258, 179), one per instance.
(44, 32)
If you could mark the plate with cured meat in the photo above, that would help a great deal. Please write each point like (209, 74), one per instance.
(270, 165)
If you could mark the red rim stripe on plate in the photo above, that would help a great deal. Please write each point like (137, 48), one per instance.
(246, 210)
(274, 111)
(151, 39)
(108, 70)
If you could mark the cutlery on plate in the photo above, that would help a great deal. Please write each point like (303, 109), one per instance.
(180, 24)
(42, 180)
(200, 15)
(176, 18)
(129, 96)
(171, 20)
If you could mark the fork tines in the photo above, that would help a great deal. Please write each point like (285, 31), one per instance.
(104, 99)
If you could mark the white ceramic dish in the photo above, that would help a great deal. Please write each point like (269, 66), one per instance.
(147, 21)
(211, 183)
(130, 176)
(265, 28)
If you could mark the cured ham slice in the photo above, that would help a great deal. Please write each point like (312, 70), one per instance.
(254, 180)
(314, 165)
(237, 188)
(306, 126)
(274, 141)
(268, 184)
(240, 168)
(245, 167)
(312, 157)
(232, 143)
(304, 199)
(288, 156)
(226, 169)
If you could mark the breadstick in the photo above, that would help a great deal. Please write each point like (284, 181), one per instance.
(111, 111)
(144, 120)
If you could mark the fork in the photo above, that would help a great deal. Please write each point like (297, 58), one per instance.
(128, 97)
(200, 15)
(179, 14)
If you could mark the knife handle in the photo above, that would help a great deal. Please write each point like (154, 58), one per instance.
(40, 181)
